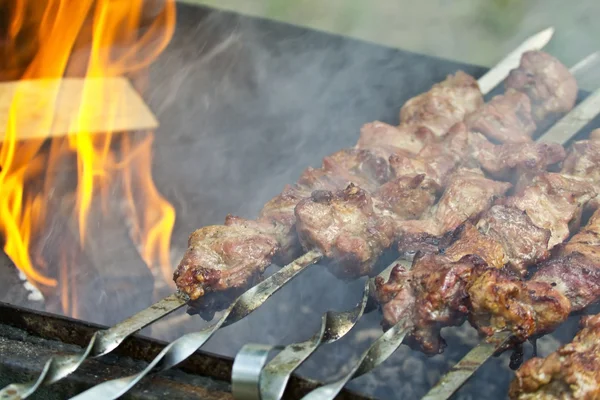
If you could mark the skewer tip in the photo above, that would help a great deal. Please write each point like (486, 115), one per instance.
(587, 61)
(542, 38)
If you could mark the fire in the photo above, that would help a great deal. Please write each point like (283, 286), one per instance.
(49, 40)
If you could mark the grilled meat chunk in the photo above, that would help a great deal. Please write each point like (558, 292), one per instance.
(560, 286)
(385, 137)
(359, 166)
(444, 105)
(223, 257)
(396, 296)
(434, 289)
(504, 161)
(571, 372)
(554, 201)
(504, 119)
(438, 286)
(344, 226)
(468, 194)
(546, 81)
(436, 160)
(406, 197)
(499, 301)
(522, 242)
(583, 160)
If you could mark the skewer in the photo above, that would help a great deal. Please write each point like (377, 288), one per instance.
(186, 345)
(250, 375)
(455, 378)
(536, 42)
(59, 367)
(379, 351)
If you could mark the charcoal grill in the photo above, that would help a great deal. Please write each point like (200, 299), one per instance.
(232, 79)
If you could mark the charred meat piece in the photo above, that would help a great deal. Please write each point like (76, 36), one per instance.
(522, 242)
(468, 194)
(504, 119)
(223, 257)
(546, 81)
(447, 103)
(571, 372)
(438, 283)
(344, 226)
(432, 295)
(500, 301)
(396, 296)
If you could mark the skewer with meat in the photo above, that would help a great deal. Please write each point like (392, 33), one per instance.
(465, 279)
(571, 372)
(217, 258)
(559, 286)
(214, 262)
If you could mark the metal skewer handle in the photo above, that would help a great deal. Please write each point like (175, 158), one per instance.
(252, 380)
(180, 349)
(101, 343)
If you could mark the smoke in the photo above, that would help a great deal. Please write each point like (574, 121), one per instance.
(245, 105)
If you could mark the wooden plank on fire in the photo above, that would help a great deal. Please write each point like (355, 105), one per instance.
(35, 109)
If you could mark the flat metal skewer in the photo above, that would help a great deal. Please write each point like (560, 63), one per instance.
(59, 367)
(388, 343)
(252, 380)
(186, 345)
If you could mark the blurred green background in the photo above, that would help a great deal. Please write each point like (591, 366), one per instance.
(474, 31)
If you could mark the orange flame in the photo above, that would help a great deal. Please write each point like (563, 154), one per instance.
(91, 39)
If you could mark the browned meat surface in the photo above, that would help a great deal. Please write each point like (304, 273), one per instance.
(344, 226)
(583, 160)
(447, 103)
(468, 194)
(434, 290)
(223, 257)
(504, 161)
(522, 242)
(567, 283)
(554, 201)
(499, 301)
(396, 296)
(546, 81)
(406, 197)
(595, 135)
(359, 166)
(438, 285)
(504, 119)
(436, 160)
(570, 373)
(380, 135)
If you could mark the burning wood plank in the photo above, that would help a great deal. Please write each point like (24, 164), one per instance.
(42, 108)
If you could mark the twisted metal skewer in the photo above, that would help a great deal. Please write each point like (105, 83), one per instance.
(101, 343)
(180, 349)
(252, 380)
